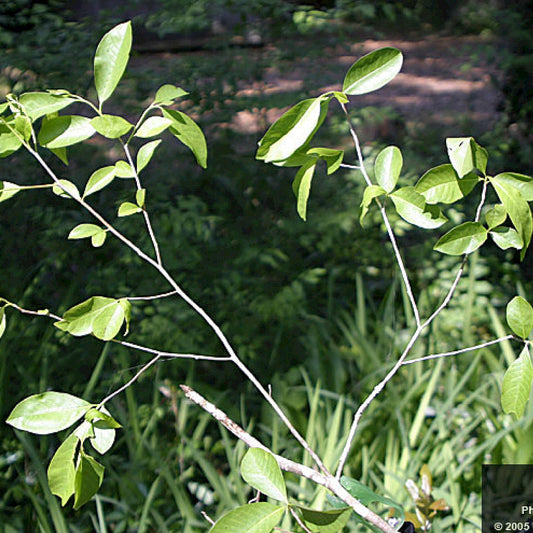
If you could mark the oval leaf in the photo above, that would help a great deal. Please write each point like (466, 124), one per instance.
(506, 238)
(466, 155)
(128, 208)
(373, 71)
(61, 471)
(89, 476)
(145, 153)
(64, 131)
(412, 207)
(387, 167)
(38, 104)
(84, 231)
(519, 315)
(302, 185)
(463, 239)
(331, 521)
(111, 58)
(260, 470)
(99, 179)
(66, 189)
(152, 126)
(111, 126)
(495, 216)
(48, 412)
(166, 94)
(8, 190)
(524, 184)
(516, 385)
(260, 517)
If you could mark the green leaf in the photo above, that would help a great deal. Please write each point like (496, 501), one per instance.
(371, 192)
(524, 184)
(153, 126)
(332, 158)
(111, 126)
(127, 208)
(495, 216)
(466, 155)
(48, 412)
(519, 315)
(302, 185)
(293, 130)
(89, 476)
(463, 239)
(387, 167)
(442, 185)
(38, 104)
(99, 179)
(9, 143)
(110, 60)
(373, 71)
(61, 471)
(84, 231)
(140, 197)
(99, 427)
(329, 521)
(517, 209)
(166, 94)
(59, 132)
(8, 190)
(3, 321)
(124, 170)
(516, 385)
(66, 189)
(189, 133)
(145, 153)
(259, 517)
(412, 207)
(98, 239)
(506, 238)
(107, 323)
(260, 470)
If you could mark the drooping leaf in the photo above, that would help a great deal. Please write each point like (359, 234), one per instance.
(517, 209)
(332, 158)
(48, 412)
(373, 71)
(189, 133)
(260, 470)
(99, 179)
(524, 184)
(302, 185)
(412, 207)
(145, 153)
(166, 94)
(293, 130)
(387, 167)
(519, 315)
(516, 385)
(259, 517)
(84, 231)
(66, 130)
(495, 216)
(89, 476)
(371, 192)
(39, 104)
(330, 521)
(466, 155)
(61, 471)
(9, 143)
(153, 126)
(126, 209)
(506, 238)
(442, 185)
(99, 238)
(111, 126)
(463, 239)
(108, 322)
(111, 58)
(8, 190)
(66, 189)
(99, 427)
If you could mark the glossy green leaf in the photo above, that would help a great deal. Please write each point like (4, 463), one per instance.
(371, 192)
(128, 208)
(495, 216)
(332, 158)
(412, 207)
(516, 385)
(506, 238)
(59, 132)
(84, 231)
(330, 521)
(66, 189)
(166, 94)
(293, 130)
(99, 179)
(61, 471)
(260, 517)
(48, 412)
(111, 58)
(99, 427)
(189, 133)
(124, 170)
(463, 239)
(301, 186)
(466, 155)
(23, 126)
(260, 470)
(3, 321)
(9, 143)
(519, 315)
(99, 238)
(8, 190)
(442, 185)
(61, 153)
(38, 104)
(387, 167)
(145, 153)
(153, 126)
(89, 476)
(373, 71)
(517, 209)
(521, 182)
(111, 126)
(107, 323)
(140, 197)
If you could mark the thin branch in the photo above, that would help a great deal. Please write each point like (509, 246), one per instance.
(299, 521)
(43, 312)
(154, 297)
(459, 352)
(326, 480)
